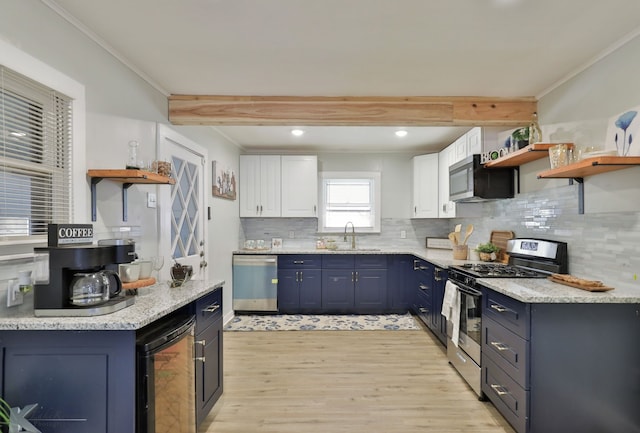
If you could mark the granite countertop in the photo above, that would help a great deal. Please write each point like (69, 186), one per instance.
(151, 303)
(531, 290)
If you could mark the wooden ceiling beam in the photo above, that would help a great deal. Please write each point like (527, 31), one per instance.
(350, 111)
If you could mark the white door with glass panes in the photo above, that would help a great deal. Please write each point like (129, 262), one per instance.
(299, 185)
(182, 208)
(425, 186)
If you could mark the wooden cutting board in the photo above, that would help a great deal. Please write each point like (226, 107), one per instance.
(580, 286)
(499, 239)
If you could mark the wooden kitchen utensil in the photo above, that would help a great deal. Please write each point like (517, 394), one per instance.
(467, 234)
(452, 238)
(499, 239)
(457, 231)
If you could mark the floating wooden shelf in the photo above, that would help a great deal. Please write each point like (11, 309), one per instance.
(130, 176)
(529, 153)
(127, 178)
(591, 166)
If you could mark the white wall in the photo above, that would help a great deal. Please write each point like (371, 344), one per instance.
(121, 107)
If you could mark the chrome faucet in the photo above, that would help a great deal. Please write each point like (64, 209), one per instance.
(353, 234)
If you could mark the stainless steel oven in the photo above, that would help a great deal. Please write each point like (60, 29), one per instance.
(528, 258)
(465, 355)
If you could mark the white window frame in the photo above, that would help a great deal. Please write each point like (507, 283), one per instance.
(374, 178)
(30, 67)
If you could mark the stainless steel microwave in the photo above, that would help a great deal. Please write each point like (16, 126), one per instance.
(470, 181)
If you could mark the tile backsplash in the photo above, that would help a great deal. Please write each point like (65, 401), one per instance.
(604, 246)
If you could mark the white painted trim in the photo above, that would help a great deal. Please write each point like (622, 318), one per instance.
(612, 48)
(104, 44)
(29, 66)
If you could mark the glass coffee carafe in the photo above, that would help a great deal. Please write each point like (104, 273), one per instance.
(93, 288)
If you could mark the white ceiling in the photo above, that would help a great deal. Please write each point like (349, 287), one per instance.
(498, 48)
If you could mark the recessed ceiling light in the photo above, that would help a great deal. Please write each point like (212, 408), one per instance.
(297, 132)
(401, 133)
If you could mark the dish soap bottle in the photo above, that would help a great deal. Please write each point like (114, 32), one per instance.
(535, 133)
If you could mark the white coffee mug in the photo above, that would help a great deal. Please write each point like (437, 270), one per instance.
(145, 268)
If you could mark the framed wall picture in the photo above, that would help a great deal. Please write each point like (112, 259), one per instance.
(224, 181)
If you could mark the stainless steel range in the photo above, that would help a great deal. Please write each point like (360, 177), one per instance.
(528, 258)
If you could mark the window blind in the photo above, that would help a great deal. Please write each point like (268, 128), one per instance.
(35, 157)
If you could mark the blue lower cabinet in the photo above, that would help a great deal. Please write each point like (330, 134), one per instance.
(370, 291)
(400, 283)
(299, 291)
(355, 284)
(337, 290)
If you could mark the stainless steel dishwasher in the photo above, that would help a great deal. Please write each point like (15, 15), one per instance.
(255, 283)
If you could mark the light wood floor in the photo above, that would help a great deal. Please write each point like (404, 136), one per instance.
(344, 381)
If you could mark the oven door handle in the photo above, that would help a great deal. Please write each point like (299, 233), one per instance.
(468, 290)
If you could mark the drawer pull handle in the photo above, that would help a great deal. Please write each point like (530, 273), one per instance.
(211, 308)
(298, 262)
(499, 389)
(200, 342)
(423, 287)
(200, 358)
(500, 346)
(498, 308)
(423, 310)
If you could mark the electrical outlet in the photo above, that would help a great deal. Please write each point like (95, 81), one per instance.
(151, 200)
(403, 234)
(14, 295)
(292, 234)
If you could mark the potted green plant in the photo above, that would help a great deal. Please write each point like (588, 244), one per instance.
(487, 252)
(520, 137)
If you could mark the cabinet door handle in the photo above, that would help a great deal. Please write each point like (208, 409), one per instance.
(257, 210)
(301, 276)
(260, 209)
(314, 209)
(415, 265)
(211, 308)
(498, 389)
(499, 308)
(500, 346)
(357, 276)
(353, 277)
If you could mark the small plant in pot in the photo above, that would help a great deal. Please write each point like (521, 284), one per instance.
(487, 252)
(520, 137)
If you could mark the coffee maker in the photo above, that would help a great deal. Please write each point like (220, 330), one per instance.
(71, 252)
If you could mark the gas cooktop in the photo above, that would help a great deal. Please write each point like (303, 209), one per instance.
(496, 270)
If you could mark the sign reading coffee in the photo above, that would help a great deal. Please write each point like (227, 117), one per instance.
(69, 234)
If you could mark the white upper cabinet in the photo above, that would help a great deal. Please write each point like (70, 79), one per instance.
(446, 157)
(476, 140)
(259, 187)
(299, 186)
(425, 186)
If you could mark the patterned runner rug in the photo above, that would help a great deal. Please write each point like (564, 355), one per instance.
(304, 322)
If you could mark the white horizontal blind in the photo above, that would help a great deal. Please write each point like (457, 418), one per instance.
(35, 157)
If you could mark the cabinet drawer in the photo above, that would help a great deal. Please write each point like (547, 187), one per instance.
(338, 261)
(423, 307)
(371, 261)
(508, 397)
(208, 309)
(297, 261)
(508, 350)
(508, 312)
